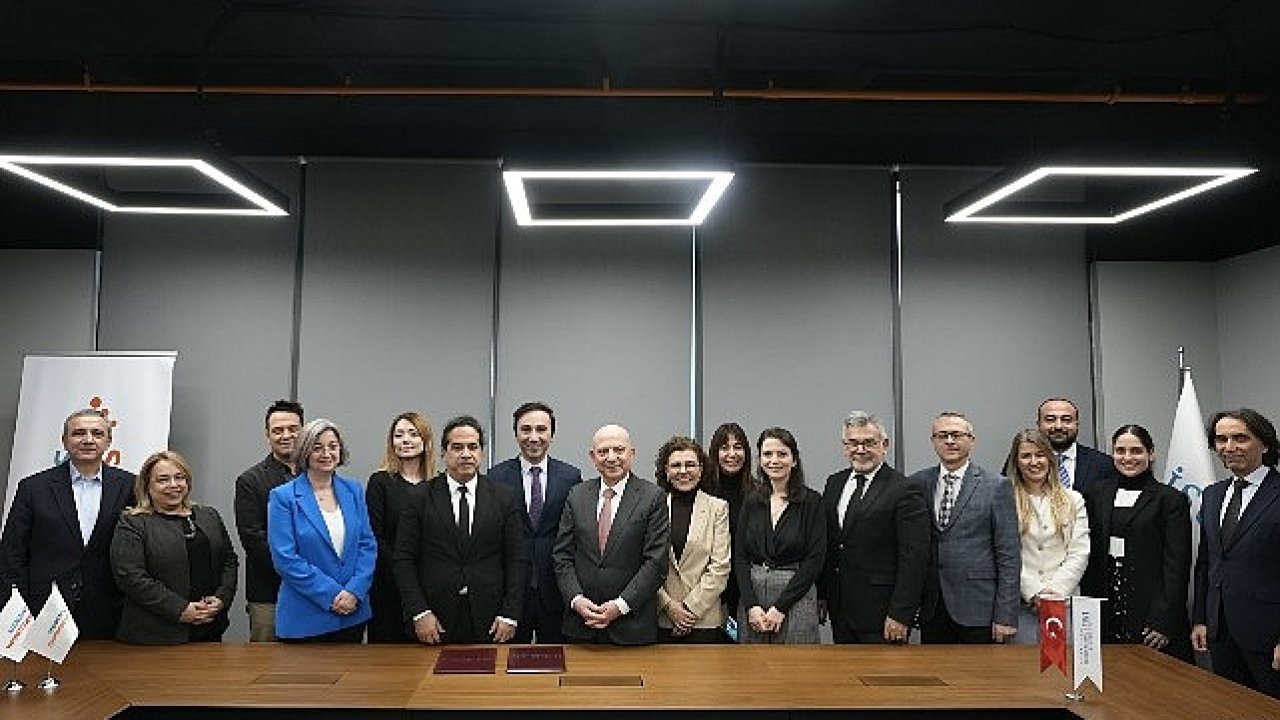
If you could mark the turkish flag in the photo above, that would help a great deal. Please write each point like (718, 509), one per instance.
(1053, 634)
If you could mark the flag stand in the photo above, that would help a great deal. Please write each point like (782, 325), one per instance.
(14, 685)
(49, 683)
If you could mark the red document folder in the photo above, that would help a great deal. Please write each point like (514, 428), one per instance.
(469, 661)
(536, 659)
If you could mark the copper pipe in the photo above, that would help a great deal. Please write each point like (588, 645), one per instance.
(1116, 97)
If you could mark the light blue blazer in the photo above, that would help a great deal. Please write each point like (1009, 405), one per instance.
(311, 573)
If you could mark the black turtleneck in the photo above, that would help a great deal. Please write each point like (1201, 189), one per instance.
(681, 514)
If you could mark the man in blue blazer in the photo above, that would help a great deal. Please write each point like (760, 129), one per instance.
(543, 483)
(1084, 467)
(60, 526)
(972, 590)
(1236, 609)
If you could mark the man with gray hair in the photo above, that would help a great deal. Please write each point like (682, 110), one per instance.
(877, 541)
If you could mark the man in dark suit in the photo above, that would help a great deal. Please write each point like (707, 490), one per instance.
(877, 541)
(460, 558)
(253, 488)
(1080, 467)
(1237, 576)
(611, 549)
(972, 591)
(60, 526)
(544, 483)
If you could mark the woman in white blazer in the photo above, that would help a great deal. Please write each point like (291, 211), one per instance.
(1053, 525)
(689, 600)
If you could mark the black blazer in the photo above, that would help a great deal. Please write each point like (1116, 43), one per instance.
(561, 477)
(433, 561)
(1157, 552)
(1092, 468)
(1242, 576)
(42, 545)
(877, 563)
(149, 561)
(253, 488)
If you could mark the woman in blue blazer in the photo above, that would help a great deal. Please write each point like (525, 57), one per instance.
(321, 544)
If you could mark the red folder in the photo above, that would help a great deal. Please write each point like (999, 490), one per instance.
(536, 659)
(468, 661)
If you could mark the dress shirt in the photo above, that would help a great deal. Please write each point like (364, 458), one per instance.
(850, 486)
(1067, 458)
(527, 480)
(88, 495)
(455, 496)
(1254, 479)
(942, 486)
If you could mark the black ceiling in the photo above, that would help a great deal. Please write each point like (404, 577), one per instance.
(664, 83)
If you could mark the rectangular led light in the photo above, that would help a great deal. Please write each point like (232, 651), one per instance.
(515, 181)
(1213, 177)
(28, 166)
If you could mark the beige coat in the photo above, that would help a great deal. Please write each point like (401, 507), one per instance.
(699, 576)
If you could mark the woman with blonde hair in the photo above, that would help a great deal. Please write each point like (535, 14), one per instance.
(410, 458)
(172, 559)
(1053, 525)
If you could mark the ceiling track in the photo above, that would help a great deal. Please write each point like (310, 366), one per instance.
(606, 91)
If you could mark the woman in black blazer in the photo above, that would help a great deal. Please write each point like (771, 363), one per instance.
(1140, 552)
(172, 559)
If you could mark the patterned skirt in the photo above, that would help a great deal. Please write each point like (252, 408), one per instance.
(801, 623)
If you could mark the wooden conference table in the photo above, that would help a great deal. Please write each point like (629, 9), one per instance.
(766, 682)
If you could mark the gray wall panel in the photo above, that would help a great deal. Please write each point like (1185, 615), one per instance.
(798, 305)
(397, 296)
(220, 292)
(994, 320)
(1248, 290)
(596, 322)
(47, 296)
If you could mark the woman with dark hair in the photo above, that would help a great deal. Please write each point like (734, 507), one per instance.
(410, 458)
(172, 559)
(1141, 550)
(1052, 525)
(689, 600)
(780, 547)
(321, 543)
(730, 479)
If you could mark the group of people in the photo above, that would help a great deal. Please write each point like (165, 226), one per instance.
(718, 548)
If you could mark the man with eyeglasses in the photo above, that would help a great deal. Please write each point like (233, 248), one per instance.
(972, 590)
(60, 526)
(253, 488)
(877, 541)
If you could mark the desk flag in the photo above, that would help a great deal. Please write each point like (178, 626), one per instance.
(1053, 634)
(15, 620)
(54, 631)
(1086, 640)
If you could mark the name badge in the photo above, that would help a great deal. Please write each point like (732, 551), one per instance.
(1117, 547)
(1127, 498)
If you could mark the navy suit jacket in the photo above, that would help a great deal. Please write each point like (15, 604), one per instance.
(311, 573)
(561, 477)
(1242, 576)
(42, 545)
(1092, 467)
(977, 557)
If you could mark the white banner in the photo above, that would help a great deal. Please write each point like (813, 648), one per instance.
(54, 631)
(1086, 641)
(1189, 465)
(135, 390)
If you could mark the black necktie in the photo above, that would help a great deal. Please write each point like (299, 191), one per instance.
(860, 488)
(1233, 509)
(464, 512)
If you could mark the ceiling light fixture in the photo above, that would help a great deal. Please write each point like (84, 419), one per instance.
(41, 168)
(969, 211)
(519, 184)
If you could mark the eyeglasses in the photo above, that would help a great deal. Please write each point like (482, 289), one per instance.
(691, 465)
(951, 435)
(869, 444)
(179, 479)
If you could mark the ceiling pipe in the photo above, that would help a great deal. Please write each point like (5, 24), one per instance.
(1115, 97)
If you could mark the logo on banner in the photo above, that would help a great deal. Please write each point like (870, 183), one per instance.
(113, 457)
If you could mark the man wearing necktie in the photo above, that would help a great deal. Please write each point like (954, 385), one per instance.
(877, 541)
(60, 526)
(1236, 610)
(460, 559)
(543, 482)
(611, 550)
(1080, 467)
(973, 587)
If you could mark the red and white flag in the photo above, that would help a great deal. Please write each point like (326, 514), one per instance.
(54, 631)
(15, 620)
(1053, 633)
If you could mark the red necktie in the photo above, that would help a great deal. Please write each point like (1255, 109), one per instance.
(606, 518)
